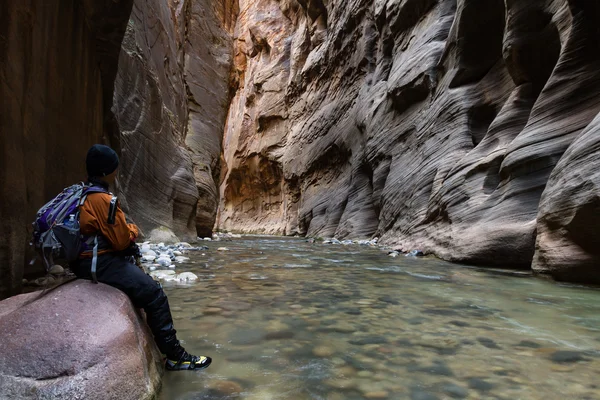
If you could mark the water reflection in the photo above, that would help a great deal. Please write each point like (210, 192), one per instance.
(286, 319)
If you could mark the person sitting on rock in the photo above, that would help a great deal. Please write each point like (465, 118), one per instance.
(102, 217)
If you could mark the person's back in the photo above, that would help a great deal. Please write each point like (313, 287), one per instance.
(110, 242)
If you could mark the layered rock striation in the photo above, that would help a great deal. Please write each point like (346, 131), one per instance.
(58, 62)
(464, 128)
(171, 96)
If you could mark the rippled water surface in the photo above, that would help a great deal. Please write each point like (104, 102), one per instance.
(287, 319)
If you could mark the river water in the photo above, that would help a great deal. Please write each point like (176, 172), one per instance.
(286, 319)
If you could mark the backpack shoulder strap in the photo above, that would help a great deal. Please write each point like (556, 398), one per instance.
(112, 210)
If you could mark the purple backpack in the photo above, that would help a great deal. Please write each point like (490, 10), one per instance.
(56, 228)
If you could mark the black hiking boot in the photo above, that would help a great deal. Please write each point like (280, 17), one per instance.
(187, 362)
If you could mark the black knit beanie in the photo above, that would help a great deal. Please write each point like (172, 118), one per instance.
(101, 160)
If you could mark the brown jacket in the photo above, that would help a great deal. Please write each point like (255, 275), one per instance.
(93, 219)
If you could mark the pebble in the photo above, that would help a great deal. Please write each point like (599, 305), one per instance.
(187, 276)
(323, 351)
(226, 388)
(455, 391)
(419, 394)
(149, 253)
(365, 374)
(489, 343)
(57, 270)
(222, 249)
(247, 336)
(341, 383)
(530, 344)
(346, 371)
(382, 394)
(565, 356)
(43, 281)
(164, 261)
(278, 335)
(178, 253)
(480, 384)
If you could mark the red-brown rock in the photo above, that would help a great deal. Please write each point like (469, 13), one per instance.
(79, 341)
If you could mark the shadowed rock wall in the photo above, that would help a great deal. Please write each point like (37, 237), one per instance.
(170, 99)
(438, 124)
(57, 65)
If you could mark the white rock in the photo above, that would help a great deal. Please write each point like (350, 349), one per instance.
(177, 253)
(207, 239)
(149, 253)
(172, 266)
(164, 261)
(184, 245)
(181, 259)
(187, 276)
(222, 249)
(161, 274)
(152, 268)
(148, 257)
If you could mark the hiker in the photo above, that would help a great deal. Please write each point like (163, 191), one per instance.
(101, 217)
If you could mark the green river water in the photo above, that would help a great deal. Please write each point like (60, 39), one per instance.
(286, 319)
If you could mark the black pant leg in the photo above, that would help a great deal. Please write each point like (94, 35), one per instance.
(143, 291)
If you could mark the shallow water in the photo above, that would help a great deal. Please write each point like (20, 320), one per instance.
(287, 319)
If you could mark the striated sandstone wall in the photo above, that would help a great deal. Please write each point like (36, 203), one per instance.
(170, 99)
(436, 124)
(58, 60)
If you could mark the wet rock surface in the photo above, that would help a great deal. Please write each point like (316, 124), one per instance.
(279, 330)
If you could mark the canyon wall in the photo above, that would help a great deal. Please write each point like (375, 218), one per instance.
(171, 97)
(58, 61)
(461, 127)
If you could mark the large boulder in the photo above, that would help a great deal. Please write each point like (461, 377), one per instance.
(79, 341)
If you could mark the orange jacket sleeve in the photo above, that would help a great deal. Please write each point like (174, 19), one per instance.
(93, 218)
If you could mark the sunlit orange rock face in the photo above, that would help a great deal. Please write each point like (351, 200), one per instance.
(463, 128)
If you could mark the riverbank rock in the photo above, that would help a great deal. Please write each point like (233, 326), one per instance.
(164, 235)
(79, 341)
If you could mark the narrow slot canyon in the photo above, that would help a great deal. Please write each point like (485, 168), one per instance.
(467, 131)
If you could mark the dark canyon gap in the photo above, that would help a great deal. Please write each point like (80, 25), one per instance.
(58, 61)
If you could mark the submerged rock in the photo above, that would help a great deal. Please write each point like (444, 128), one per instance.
(80, 341)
